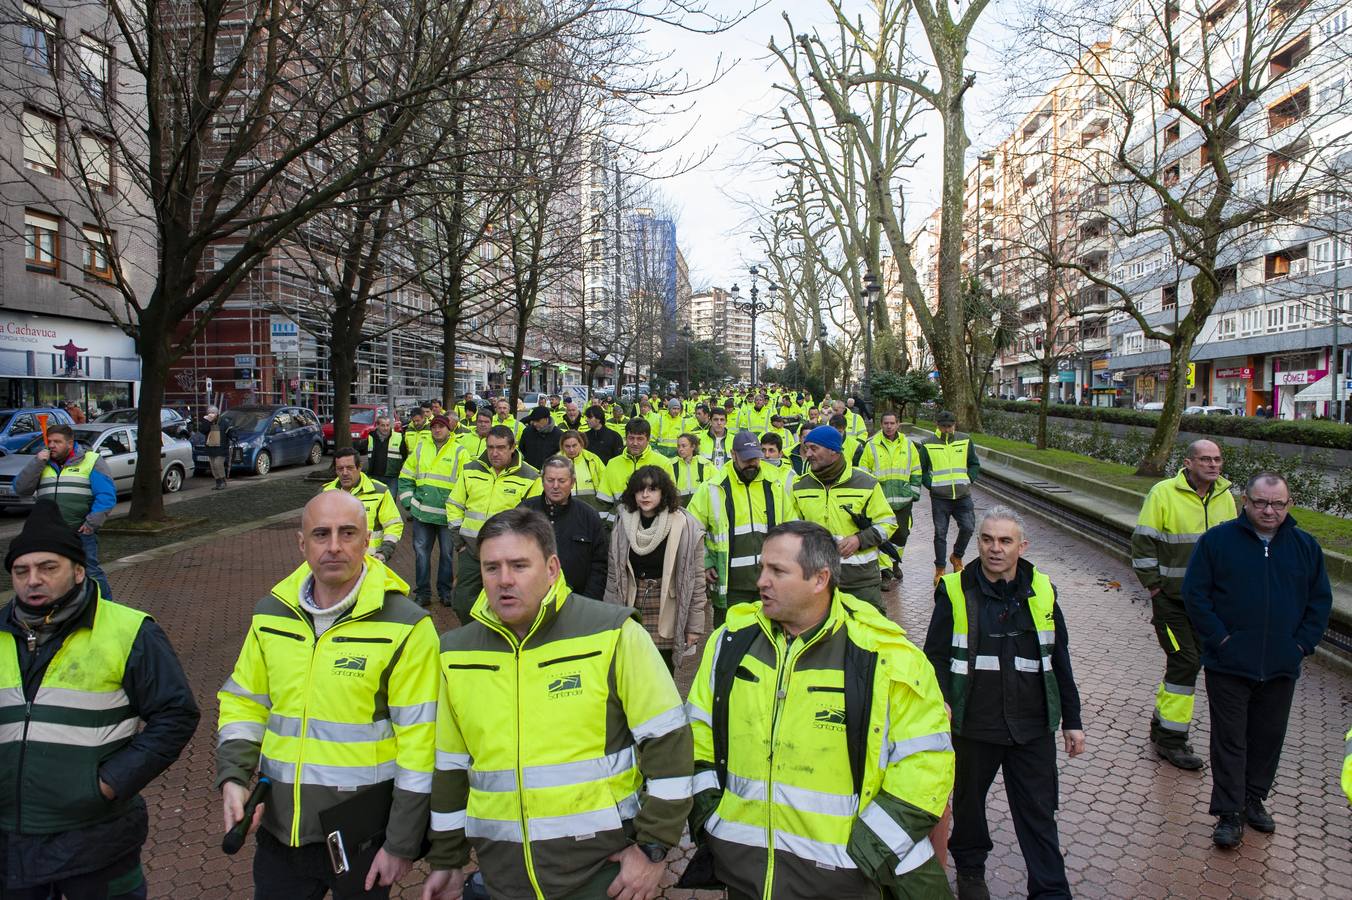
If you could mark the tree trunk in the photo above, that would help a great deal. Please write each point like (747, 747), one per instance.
(342, 368)
(147, 495)
(450, 323)
(1043, 403)
(1156, 457)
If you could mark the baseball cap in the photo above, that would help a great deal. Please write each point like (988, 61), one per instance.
(442, 421)
(746, 446)
(946, 418)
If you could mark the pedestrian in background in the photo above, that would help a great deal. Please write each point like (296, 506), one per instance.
(588, 469)
(948, 466)
(1175, 514)
(656, 562)
(999, 646)
(220, 437)
(579, 534)
(79, 480)
(541, 440)
(384, 449)
(79, 675)
(602, 440)
(1258, 595)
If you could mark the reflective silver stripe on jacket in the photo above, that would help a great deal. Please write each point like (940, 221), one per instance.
(241, 731)
(336, 732)
(452, 821)
(557, 775)
(97, 701)
(661, 724)
(232, 686)
(896, 751)
(81, 735)
(910, 853)
(417, 714)
(329, 776)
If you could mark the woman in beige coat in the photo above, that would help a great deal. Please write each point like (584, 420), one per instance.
(656, 562)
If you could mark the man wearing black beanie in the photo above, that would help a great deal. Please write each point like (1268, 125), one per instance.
(78, 673)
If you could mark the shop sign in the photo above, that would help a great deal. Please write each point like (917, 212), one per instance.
(1065, 377)
(1297, 377)
(64, 347)
(1099, 364)
(245, 361)
(1238, 373)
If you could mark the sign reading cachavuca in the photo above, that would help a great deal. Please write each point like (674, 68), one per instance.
(49, 346)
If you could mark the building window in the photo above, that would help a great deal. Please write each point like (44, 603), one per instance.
(1289, 110)
(39, 142)
(42, 242)
(96, 157)
(97, 259)
(1171, 134)
(1276, 317)
(1289, 57)
(1225, 328)
(1250, 322)
(1169, 296)
(38, 34)
(95, 64)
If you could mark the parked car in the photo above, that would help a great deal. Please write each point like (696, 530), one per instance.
(116, 443)
(1155, 406)
(362, 421)
(1208, 411)
(267, 436)
(18, 425)
(172, 421)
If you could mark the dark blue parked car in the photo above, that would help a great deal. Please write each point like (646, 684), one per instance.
(17, 426)
(267, 436)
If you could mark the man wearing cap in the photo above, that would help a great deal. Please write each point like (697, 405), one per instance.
(668, 428)
(832, 493)
(219, 437)
(737, 507)
(425, 482)
(948, 467)
(77, 672)
(79, 480)
(541, 440)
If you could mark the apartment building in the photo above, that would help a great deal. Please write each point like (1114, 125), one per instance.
(711, 315)
(71, 215)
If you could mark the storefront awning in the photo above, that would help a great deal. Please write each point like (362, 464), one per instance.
(1321, 392)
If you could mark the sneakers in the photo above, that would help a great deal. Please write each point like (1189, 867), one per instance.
(1258, 818)
(1180, 757)
(972, 886)
(1229, 832)
(956, 561)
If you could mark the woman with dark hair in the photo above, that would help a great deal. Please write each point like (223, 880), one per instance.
(656, 562)
(691, 469)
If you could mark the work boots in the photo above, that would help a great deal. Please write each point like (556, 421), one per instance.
(939, 572)
(1180, 757)
(956, 561)
(1259, 819)
(972, 886)
(1229, 832)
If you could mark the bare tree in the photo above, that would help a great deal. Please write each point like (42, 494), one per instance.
(1210, 147)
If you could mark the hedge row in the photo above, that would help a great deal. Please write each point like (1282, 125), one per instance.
(1310, 433)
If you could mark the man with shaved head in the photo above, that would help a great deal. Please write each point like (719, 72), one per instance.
(333, 698)
(1175, 515)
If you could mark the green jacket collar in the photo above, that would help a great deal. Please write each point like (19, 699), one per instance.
(868, 627)
(364, 486)
(379, 581)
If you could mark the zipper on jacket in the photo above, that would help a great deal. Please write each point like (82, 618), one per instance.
(785, 662)
(1267, 608)
(18, 778)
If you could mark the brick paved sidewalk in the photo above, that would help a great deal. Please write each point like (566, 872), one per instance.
(1131, 826)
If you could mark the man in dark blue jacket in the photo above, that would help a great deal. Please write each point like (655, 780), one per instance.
(1258, 595)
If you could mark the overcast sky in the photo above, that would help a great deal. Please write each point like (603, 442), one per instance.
(712, 227)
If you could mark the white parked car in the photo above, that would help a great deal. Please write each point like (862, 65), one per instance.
(1152, 407)
(1208, 411)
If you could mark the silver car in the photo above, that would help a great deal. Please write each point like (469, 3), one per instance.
(116, 443)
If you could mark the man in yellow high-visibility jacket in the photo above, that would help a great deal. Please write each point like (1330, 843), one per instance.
(564, 755)
(383, 521)
(949, 465)
(333, 696)
(822, 752)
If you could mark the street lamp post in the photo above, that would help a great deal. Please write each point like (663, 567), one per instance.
(869, 295)
(753, 307)
(686, 335)
(802, 364)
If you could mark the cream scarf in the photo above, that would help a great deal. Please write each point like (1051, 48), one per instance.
(643, 541)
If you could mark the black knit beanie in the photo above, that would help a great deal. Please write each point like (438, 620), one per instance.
(46, 532)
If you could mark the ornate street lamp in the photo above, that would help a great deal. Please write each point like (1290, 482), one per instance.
(753, 307)
(870, 297)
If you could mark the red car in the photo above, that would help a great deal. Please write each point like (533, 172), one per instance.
(363, 422)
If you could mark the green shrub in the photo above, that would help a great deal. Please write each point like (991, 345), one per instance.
(1310, 433)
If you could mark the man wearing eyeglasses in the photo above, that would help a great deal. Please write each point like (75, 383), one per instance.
(1259, 597)
(1175, 514)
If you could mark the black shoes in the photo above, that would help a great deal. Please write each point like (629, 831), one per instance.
(972, 886)
(424, 602)
(1180, 757)
(220, 484)
(1229, 832)
(1258, 818)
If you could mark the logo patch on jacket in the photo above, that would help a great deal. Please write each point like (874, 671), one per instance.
(566, 685)
(350, 663)
(830, 718)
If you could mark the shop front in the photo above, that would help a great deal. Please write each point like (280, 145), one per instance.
(1292, 374)
(1232, 386)
(52, 361)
